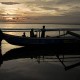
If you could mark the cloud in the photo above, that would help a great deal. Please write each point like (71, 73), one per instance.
(9, 3)
(49, 8)
(42, 8)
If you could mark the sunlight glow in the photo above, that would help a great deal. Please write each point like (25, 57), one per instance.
(9, 18)
(26, 11)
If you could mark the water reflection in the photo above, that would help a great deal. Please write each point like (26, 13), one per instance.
(45, 55)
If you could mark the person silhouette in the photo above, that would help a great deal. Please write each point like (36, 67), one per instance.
(31, 33)
(24, 35)
(43, 32)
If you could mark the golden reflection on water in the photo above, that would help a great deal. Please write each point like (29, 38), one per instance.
(6, 47)
(54, 33)
(8, 25)
(18, 33)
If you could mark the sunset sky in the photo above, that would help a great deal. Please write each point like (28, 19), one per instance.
(40, 11)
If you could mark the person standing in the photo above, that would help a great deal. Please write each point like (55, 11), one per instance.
(43, 32)
(31, 33)
(24, 35)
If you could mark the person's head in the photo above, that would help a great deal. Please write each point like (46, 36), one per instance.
(43, 27)
(31, 29)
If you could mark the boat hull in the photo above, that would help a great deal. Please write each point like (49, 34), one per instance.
(25, 41)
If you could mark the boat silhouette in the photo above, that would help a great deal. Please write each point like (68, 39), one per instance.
(25, 41)
(60, 40)
(27, 52)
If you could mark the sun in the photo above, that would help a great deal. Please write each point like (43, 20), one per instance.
(9, 18)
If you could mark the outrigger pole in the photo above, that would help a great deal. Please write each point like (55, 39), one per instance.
(1, 36)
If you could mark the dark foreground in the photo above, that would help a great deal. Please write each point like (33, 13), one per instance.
(20, 64)
(38, 51)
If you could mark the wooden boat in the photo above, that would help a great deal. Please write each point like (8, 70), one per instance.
(25, 41)
(59, 41)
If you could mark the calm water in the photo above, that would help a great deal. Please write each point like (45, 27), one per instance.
(37, 26)
(37, 69)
